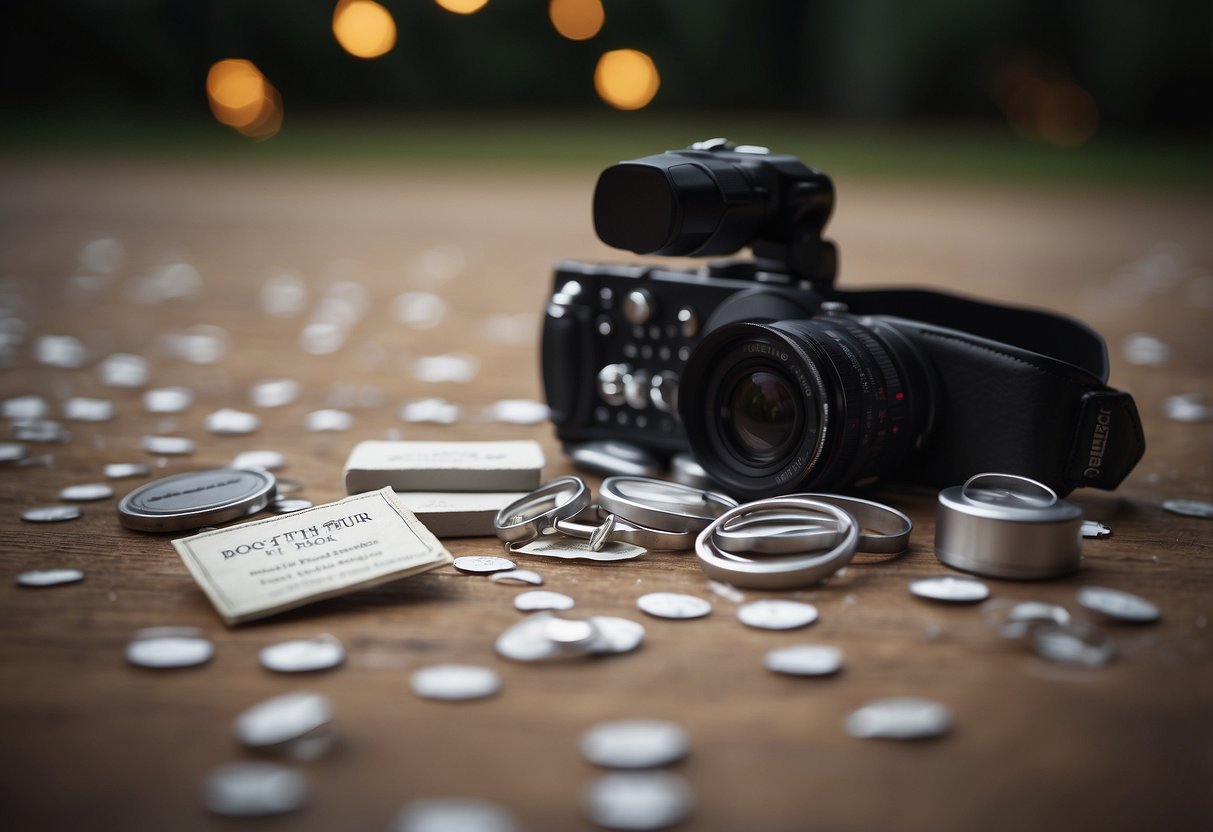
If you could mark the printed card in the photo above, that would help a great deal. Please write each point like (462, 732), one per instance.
(266, 566)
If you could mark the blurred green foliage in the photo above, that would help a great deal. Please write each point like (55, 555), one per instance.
(1147, 64)
(584, 144)
(858, 87)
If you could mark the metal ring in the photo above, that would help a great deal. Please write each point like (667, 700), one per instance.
(892, 528)
(773, 533)
(787, 572)
(528, 517)
(1007, 526)
(1009, 491)
(670, 507)
(625, 531)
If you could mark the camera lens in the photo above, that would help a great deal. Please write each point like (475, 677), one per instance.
(800, 405)
(761, 414)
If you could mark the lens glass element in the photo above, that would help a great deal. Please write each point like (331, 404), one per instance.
(762, 414)
(812, 404)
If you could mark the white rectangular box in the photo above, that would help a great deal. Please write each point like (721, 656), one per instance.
(458, 513)
(444, 466)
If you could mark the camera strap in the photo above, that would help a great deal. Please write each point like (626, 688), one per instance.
(1055, 406)
(1034, 330)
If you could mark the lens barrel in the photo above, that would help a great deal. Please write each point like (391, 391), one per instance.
(687, 203)
(815, 404)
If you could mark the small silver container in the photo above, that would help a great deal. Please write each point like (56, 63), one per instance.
(1007, 526)
(196, 499)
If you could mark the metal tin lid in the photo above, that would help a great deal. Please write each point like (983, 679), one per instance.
(196, 499)
(1007, 526)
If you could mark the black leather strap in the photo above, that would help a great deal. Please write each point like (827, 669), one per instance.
(1024, 391)
(1034, 330)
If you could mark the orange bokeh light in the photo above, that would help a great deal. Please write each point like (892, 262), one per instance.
(242, 98)
(236, 89)
(364, 28)
(626, 79)
(577, 19)
(269, 120)
(462, 6)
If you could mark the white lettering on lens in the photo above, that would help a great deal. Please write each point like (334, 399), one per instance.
(765, 349)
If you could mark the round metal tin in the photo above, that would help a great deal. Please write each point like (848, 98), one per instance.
(196, 499)
(1006, 526)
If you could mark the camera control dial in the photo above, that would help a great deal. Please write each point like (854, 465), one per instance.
(639, 306)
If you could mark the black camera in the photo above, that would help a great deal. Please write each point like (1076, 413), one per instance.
(778, 382)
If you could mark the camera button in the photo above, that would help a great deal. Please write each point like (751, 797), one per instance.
(638, 306)
(611, 383)
(636, 389)
(664, 392)
(689, 320)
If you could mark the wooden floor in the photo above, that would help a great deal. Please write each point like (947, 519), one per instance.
(87, 741)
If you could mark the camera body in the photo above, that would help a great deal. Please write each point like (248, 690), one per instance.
(777, 381)
(616, 340)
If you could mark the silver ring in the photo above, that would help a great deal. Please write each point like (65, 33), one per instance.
(1008, 492)
(667, 507)
(785, 572)
(625, 531)
(891, 527)
(531, 516)
(772, 533)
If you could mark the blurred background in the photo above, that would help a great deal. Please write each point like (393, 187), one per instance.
(1116, 91)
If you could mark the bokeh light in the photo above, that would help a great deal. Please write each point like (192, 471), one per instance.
(462, 6)
(1042, 104)
(626, 79)
(236, 89)
(269, 120)
(364, 28)
(242, 98)
(1067, 115)
(577, 19)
